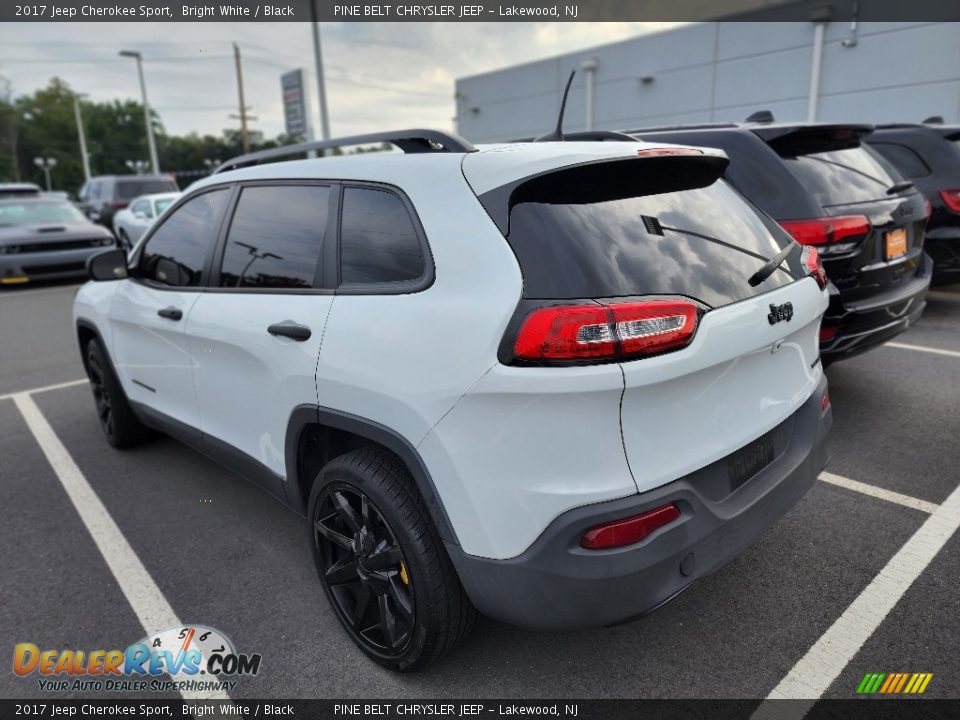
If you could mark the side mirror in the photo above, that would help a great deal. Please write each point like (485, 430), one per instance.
(107, 265)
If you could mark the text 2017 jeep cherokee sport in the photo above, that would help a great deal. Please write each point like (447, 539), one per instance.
(553, 382)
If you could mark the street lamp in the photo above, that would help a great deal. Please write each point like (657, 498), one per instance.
(146, 108)
(138, 166)
(83, 139)
(211, 164)
(46, 164)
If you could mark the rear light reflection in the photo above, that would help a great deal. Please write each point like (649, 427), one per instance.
(606, 332)
(661, 152)
(825, 401)
(629, 530)
(827, 231)
(951, 198)
(828, 332)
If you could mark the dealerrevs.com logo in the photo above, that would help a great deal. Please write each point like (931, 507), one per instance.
(194, 658)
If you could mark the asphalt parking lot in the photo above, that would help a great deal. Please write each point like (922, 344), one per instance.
(861, 576)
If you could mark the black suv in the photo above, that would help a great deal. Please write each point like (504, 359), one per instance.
(101, 196)
(929, 155)
(830, 191)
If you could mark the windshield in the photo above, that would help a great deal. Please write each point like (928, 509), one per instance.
(39, 213)
(163, 204)
(841, 177)
(129, 189)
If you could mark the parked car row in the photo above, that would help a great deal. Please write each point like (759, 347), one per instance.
(44, 236)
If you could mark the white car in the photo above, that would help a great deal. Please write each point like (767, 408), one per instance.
(553, 382)
(130, 223)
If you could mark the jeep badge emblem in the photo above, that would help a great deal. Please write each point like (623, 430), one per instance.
(780, 312)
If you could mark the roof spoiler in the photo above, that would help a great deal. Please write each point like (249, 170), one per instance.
(806, 139)
(409, 141)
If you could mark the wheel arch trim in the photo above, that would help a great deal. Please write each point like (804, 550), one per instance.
(306, 415)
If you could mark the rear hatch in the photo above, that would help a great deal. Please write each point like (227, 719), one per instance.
(872, 229)
(663, 246)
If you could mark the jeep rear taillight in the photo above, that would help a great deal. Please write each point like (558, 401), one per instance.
(814, 266)
(951, 198)
(828, 230)
(619, 331)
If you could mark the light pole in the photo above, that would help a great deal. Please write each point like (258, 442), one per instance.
(46, 164)
(211, 164)
(83, 139)
(138, 166)
(318, 68)
(146, 108)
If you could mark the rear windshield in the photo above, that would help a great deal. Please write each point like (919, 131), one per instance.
(129, 189)
(841, 177)
(613, 247)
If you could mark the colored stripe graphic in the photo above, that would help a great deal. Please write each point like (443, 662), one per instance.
(894, 683)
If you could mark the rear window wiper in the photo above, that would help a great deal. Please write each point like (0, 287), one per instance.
(772, 264)
(899, 187)
(760, 275)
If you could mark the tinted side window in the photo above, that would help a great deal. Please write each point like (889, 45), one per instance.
(127, 189)
(903, 158)
(276, 237)
(177, 252)
(378, 241)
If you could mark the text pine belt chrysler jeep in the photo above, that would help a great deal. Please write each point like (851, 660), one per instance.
(552, 382)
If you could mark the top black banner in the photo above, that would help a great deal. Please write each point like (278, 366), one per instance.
(478, 11)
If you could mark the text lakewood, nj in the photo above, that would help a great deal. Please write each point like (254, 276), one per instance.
(462, 11)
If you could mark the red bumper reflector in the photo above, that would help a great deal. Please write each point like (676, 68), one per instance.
(629, 530)
(828, 332)
(825, 401)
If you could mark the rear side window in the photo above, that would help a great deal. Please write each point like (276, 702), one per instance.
(177, 252)
(624, 245)
(129, 189)
(905, 159)
(276, 237)
(841, 177)
(378, 240)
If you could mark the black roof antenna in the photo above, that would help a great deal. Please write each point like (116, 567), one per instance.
(557, 134)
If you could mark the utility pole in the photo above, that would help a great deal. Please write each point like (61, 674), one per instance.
(243, 107)
(318, 65)
(146, 108)
(83, 139)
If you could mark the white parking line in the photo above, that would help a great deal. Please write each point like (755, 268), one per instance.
(45, 388)
(824, 662)
(148, 602)
(879, 492)
(923, 348)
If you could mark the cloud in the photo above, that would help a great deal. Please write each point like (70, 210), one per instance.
(379, 75)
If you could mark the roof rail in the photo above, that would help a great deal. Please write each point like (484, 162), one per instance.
(410, 141)
(674, 128)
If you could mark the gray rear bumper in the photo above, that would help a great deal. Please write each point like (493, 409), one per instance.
(557, 585)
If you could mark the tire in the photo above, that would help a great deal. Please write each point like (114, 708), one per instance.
(120, 426)
(382, 564)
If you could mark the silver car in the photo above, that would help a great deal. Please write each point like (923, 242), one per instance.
(133, 221)
(45, 238)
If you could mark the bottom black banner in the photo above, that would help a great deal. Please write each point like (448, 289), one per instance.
(885, 709)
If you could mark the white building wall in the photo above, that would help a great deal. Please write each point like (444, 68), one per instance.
(716, 72)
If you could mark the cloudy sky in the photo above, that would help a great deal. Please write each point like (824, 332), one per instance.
(378, 74)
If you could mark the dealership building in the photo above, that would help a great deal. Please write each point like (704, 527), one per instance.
(722, 72)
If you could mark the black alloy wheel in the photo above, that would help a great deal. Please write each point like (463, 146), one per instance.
(101, 393)
(363, 570)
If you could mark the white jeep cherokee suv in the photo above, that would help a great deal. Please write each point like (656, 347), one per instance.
(555, 383)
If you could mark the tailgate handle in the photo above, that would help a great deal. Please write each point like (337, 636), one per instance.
(290, 330)
(170, 313)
